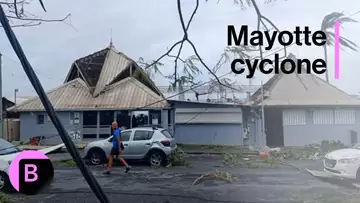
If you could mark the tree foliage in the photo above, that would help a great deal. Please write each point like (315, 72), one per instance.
(327, 27)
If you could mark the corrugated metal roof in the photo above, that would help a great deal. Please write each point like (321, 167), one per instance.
(302, 89)
(128, 93)
(114, 64)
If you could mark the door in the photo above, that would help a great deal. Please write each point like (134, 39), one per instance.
(141, 143)
(274, 127)
(155, 118)
(125, 137)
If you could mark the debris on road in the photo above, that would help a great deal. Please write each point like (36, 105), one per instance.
(70, 162)
(9, 199)
(224, 176)
(309, 152)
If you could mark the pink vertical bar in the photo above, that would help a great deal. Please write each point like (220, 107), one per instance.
(337, 49)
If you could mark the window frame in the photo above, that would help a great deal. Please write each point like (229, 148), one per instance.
(300, 113)
(331, 116)
(130, 131)
(148, 131)
(337, 120)
(37, 119)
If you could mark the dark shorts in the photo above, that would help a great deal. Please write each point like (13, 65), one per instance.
(114, 151)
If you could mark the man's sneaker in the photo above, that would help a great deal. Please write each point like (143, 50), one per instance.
(127, 169)
(106, 172)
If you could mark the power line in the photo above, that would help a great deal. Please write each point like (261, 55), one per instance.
(191, 88)
(92, 182)
(19, 64)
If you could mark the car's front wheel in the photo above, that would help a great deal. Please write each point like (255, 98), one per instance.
(96, 156)
(5, 184)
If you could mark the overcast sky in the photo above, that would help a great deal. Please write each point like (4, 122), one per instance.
(148, 28)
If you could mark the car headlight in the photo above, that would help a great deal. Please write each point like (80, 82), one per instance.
(348, 160)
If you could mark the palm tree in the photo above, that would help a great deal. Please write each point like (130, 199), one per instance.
(327, 26)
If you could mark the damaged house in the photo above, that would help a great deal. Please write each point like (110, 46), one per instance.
(98, 89)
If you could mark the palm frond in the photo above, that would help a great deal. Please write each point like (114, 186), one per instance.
(346, 20)
(343, 42)
(347, 43)
(328, 21)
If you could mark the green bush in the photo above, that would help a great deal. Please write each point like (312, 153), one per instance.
(178, 158)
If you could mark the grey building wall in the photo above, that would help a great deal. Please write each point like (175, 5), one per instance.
(310, 133)
(206, 134)
(29, 127)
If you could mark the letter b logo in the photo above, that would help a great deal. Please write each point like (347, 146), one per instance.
(33, 172)
(30, 172)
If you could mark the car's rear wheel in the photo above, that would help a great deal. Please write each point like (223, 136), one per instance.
(156, 158)
(96, 156)
(5, 184)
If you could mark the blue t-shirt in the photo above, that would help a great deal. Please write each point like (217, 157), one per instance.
(116, 134)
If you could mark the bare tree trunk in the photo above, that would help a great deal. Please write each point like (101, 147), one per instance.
(326, 61)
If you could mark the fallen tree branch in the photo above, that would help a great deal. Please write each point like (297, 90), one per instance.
(214, 176)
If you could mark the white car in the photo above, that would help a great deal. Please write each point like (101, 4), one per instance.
(144, 143)
(344, 163)
(7, 153)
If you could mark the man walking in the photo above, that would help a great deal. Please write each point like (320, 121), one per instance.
(116, 149)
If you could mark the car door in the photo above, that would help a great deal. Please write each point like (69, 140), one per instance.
(125, 137)
(140, 143)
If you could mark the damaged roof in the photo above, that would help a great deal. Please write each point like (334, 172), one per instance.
(106, 79)
(128, 93)
(302, 90)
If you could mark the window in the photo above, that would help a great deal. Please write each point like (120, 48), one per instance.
(166, 134)
(125, 136)
(106, 117)
(89, 136)
(344, 116)
(143, 135)
(74, 118)
(140, 118)
(40, 119)
(102, 136)
(294, 117)
(323, 116)
(90, 119)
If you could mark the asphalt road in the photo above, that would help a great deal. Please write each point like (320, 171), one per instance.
(144, 184)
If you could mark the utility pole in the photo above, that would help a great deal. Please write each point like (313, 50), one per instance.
(1, 103)
(15, 91)
(263, 139)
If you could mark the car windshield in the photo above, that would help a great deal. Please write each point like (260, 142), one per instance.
(8, 148)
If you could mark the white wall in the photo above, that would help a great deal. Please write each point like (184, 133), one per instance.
(208, 115)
